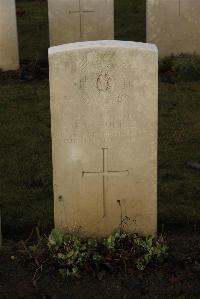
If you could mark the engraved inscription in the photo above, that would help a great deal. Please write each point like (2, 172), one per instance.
(121, 98)
(83, 64)
(125, 130)
(127, 84)
(103, 86)
(104, 81)
(82, 82)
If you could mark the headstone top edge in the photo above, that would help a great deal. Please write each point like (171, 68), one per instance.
(102, 44)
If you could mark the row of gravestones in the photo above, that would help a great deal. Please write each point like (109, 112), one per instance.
(104, 116)
(173, 25)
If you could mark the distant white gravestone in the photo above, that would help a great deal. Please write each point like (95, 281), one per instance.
(9, 55)
(80, 20)
(104, 134)
(174, 26)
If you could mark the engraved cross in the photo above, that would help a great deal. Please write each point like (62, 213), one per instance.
(80, 12)
(179, 7)
(104, 174)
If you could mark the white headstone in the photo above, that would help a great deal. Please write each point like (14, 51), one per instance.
(174, 26)
(104, 134)
(9, 56)
(80, 20)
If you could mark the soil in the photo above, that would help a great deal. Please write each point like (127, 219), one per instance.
(178, 276)
(28, 71)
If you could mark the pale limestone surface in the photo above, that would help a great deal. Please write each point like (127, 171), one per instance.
(80, 20)
(9, 55)
(174, 26)
(104, 134)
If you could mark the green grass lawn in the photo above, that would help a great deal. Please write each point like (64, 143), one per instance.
(26, 194)
(33, 31)
(179, 131)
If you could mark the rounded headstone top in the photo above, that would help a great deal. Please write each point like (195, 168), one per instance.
(102, 44)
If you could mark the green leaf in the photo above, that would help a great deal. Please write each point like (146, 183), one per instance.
(55, 238)
(70, 254)
(61, 256)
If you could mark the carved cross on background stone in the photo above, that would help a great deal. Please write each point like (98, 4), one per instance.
(80, 12)
(104, 174)
(179, 7)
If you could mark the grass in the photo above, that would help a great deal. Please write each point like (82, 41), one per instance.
(33, 31)
(130, 20)
(26, 194)
(26, 170)
(179, 130)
